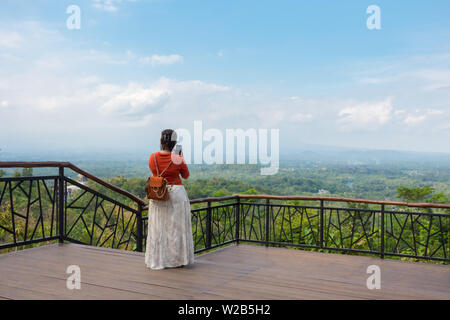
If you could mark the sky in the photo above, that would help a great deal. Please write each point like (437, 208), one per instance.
(312, 69)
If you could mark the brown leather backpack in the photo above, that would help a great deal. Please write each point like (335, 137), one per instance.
(157, 186)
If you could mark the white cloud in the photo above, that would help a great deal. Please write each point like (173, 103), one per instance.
(22, 38)
(377, 80)
(413, 119)
(130, 55)
(434, 112)
(300, 117)
(10, 39)
(156, 60)
(135, 100)
(10, 57)
(54, 83)
(296, 99)
(196, 87)
(424, 73)
(137, 105)
(106, 5)
(436, 79)
(49, 63)
(366, 115)
(109, 5)
(102, 57)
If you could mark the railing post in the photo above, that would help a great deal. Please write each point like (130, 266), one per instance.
(139, 229)
(61, 202)
(267, 221)
(238, 216)
(321, 223)
(382, 231)
(208, 226)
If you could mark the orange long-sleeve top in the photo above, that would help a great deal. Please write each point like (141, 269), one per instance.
(172, 174)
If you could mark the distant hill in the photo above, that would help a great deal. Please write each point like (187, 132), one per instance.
(361, 156)
(302, 152)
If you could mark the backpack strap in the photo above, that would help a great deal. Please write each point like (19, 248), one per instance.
(157, 170)
(156, 165)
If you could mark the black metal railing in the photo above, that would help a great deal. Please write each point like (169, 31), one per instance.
(33, 216)
(100, 214)
(58, 208)
(382, 228)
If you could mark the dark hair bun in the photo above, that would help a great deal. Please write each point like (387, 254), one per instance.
(168, 139)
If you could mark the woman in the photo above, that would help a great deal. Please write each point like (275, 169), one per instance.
(169, 237)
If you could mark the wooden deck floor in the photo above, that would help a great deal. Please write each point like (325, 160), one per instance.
(234, 272)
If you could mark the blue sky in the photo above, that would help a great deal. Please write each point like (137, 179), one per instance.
(310, 68)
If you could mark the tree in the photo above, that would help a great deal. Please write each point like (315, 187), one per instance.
(419, 194)
(2, 173)
(220, 193)
(27, 172)
(439, 198)
(16, 173)
(250, 191)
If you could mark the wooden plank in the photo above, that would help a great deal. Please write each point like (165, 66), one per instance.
(233, 272)
(417, 279)
(110, 265)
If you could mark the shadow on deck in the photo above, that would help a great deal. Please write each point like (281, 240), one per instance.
(233, 272)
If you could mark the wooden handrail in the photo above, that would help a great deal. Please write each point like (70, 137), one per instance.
(214, 199)
(40, 164)
(54, 164)
(313, 198)
(33, 164)
(337, 199)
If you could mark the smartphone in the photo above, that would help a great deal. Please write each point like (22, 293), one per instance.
(177, 149)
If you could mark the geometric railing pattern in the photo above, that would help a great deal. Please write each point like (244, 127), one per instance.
(41, 209)
(95, 219)
(56, 208)
(401, 233)
(352, 229)
(28, 210)
(213, 226)
(412, 234)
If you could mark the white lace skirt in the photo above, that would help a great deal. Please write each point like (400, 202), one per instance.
(169, 237)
